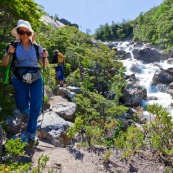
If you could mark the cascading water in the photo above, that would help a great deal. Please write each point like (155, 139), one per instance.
(156, 94)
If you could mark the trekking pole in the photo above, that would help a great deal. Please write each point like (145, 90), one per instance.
(44, 49)
(7, 73)
(8, 67)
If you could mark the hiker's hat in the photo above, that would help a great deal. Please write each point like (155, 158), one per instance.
(56, 51)
(25, 24)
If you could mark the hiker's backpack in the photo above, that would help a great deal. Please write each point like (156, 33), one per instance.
(60, 58)
(54, 60)
(12, 63)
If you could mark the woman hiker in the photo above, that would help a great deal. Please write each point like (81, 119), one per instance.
(27, 78)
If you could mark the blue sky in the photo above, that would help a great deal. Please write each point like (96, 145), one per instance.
(90, 14)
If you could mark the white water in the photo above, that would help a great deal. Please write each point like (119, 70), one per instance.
(146, 76)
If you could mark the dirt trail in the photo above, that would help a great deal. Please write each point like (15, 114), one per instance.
(68, 160)
(78, 160)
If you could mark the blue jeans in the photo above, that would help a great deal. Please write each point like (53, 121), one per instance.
(29, 97)
(60, 72)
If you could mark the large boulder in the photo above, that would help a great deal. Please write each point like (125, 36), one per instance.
(148, 55)
(133, 93)
(163, 77)
(53, 128)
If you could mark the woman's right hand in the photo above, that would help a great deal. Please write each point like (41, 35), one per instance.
(5, 59)
(11, 49)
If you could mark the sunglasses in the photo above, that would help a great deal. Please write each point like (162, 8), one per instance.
(21, 32)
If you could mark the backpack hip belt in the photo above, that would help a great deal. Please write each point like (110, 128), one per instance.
(27, 74)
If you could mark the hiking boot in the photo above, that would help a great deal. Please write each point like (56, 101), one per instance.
(33, 139)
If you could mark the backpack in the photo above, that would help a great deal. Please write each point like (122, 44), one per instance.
(54, 59)
(60, 58)
(12, 64)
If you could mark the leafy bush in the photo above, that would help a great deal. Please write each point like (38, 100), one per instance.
(130, 141)
(160, 132)
(6, 96)
(95, 118)
(49, 77)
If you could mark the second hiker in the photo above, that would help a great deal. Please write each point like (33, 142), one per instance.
(27, 78)
(58, 58)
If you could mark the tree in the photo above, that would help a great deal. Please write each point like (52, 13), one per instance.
(12, 11)
(88, 31)
(56, 17)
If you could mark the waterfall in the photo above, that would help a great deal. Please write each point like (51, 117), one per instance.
(144, 72)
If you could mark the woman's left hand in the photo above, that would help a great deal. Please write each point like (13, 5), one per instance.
(44, 61)
(45, 53)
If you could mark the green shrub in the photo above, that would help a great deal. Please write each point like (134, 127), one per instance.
(6, 96)
(160, 132)
(130, 141)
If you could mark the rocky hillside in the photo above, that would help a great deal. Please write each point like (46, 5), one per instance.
(54, 23)
(57, 23)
